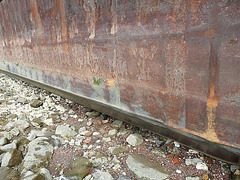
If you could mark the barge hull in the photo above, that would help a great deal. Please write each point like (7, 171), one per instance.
(171, 66)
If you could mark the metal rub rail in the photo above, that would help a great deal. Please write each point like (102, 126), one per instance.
(171, 66)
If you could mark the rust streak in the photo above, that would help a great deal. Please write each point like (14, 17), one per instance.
(35, 15)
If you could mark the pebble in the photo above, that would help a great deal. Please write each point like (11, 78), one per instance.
(117, 124)
(112, 132)
(202, 166)
(134, 139)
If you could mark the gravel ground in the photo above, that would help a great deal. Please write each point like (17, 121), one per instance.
(111, 148)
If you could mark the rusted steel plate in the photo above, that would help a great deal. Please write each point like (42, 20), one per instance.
(170, 63)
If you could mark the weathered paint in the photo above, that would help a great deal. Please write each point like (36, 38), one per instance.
(174, 62)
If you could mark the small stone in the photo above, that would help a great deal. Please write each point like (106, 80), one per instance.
(38, 121)
(117, 166)
(71, 112)
(104, 121)
(9, 174)
(123, 131)
(89, 123)
(65, 131)
(178, 171)
(202, 166)
(192, 178)
(9, 147)
(80, 168)
(159, 153)
(22, 100)
(234, 168)
(87, 141)
(193, 161)
(225, 168)
(99, 175)
(106, 139)
(176, 144)
(112, 132)
(191, 151)
(144, 168)
(176, 161)
(93, 114)
(12, 158)
(96, 133)
(86, 133)
(117, 149)
(35, 103)
(135, 139)
(117, 124)
(3, 141)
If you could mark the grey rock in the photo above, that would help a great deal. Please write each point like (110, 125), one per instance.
(225, 168)
(36, 103)
(93, 114)
(202, 166)
(159, 153)
(22, 100)
(143, 168)
(80, 168)
(122, 177)
(193, 161)
(117, 149)
(38, 155)
(123, 131)
(12, 158)
(3, 141)
(39, 133)
(112, 132)
(99, 175)
(192, 178)
(9, 174)
(9, 147)
(65, 131)
(117, 124)
(135, 139)
(233, 168)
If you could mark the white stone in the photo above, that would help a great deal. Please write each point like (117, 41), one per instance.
(9, 147)
(176, 144)
(178, 171)
(192, 178)
(99, 175)
(65, 131)
(193, 161)
(135, 139)
(96, 133)
(89, 123)
(3, 141)
(112, 132)
(38, 155)
(106, 139)
(202, 166)
(143, 169)
(192, 151)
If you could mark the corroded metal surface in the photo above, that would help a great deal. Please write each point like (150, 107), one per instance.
(172, 62)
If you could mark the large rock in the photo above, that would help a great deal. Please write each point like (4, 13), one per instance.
(12, 158)
(135, 139)
(43, 174)
(144, 168)
(80, 168)
(35, 103)
(65, 131)
(9, 174)
(99, 175)
(93, 114)
(38, 155)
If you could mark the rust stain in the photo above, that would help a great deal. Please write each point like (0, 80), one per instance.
(64, 29)
(90, 17)
(111, 82)
(35, 15)
(114, 17)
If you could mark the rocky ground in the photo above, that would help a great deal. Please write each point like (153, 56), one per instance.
(45, 136)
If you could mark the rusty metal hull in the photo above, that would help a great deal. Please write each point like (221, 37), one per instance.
(172, 66)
